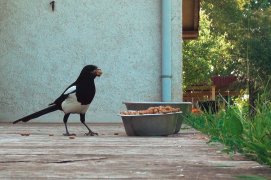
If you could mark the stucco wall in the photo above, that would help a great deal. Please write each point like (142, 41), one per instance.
(42, 52)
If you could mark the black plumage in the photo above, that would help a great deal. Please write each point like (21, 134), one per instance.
(75, 99)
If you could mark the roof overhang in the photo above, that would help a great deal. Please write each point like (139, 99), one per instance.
(190, 12)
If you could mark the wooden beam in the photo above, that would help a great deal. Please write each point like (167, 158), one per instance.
(190, 22)
(213, 93)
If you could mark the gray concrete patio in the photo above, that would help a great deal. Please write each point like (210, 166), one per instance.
(46, 154)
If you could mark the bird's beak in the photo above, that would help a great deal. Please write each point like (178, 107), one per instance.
(98, 72)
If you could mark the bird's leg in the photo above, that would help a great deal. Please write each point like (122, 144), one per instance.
(90, 133)
(65, 119)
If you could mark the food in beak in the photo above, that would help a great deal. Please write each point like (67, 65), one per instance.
(99, 72)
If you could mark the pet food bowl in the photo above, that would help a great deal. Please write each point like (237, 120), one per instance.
(185, 107)
(150, 124)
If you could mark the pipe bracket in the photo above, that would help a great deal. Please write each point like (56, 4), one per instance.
(166, 76)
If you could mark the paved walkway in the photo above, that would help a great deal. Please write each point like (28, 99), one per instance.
(46, 154)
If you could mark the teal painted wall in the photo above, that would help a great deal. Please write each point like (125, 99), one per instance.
(42, 52)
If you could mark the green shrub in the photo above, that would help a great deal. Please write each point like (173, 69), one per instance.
(257, 134)
(234, 128)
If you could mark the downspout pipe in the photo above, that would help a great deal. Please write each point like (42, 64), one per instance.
(166, 51)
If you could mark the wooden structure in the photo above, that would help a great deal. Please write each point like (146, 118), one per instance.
(190, 16)
(46, 154)
(205, 92)
(221, 86)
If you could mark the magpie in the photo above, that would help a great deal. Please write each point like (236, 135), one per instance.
(74, 100)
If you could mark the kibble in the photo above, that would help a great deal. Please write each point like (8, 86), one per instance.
(153, 110)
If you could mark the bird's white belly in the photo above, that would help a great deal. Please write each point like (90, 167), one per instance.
(71, 105)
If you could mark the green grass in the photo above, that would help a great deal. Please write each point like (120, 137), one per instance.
(234, 128)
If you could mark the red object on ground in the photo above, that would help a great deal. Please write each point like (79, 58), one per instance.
(196, 111)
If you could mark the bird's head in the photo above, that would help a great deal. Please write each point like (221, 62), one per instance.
(90, 71)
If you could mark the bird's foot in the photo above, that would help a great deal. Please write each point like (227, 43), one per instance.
(68, 134)
(91, 133)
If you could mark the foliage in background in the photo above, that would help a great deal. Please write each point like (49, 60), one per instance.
(207, 56)
(248, 27)
(235, 38)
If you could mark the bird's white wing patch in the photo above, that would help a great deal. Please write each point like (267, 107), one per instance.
(70, 90)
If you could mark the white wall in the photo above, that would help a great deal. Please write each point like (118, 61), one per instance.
(42, 52)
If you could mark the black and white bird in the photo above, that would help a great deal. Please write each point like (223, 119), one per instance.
(74, 100)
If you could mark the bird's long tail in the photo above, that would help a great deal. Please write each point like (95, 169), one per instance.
(38, 114)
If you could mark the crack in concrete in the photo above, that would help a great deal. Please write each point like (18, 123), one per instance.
(57, 162)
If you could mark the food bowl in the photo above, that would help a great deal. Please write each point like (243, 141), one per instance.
(185, 107)
(150, 124)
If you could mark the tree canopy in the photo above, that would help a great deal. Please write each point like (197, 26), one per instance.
(235, 38)
(209, 55)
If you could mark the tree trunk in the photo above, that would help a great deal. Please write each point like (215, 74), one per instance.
(252, 97)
